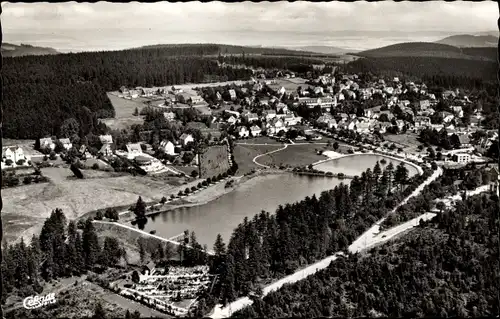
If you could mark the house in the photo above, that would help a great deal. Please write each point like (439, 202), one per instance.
(404, 103)
(291, 120)
(232, 94)
(235, 113)
(106, 150)
(66, 143)
(169, 116)
(168, 147)
(106, 139)
(424, 105)
(400, 124)
(84, 152)
(463, 158)
(149, 268)
(449, 95)
(318, 90)
(369, 112)
(343, 117)
(447, 116)
(175, 90)
(458, 111)
(276, 125)
(196, 99)
(250, 117)
(14, 153)
(464, 141)
(264, 101)
(218, 96)
(243, 132)
(282, 108)
(382, 127)
(422, 121)
(363, 128)
(255, 130)
(232, 120)
(134, 149)
(186, 138)
(269, 114)
(47, 143)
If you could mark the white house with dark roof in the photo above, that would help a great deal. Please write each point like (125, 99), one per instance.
(14, 153)
(106, 139)
(186, 138)
(269, 114)
(243, 132)
(168, 147)
(232, 94)
(133, 150)
(169, 116)
(255, 130)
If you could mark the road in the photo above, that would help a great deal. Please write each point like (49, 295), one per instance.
(367, 240)
(271, 152)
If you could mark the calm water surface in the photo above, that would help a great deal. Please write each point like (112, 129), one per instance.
(264, 193)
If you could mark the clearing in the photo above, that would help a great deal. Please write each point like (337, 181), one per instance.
(124, 110)
(408, 141)
(244, 155)
(26, 207)
(294, 155)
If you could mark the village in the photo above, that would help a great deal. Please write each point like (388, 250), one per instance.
(273, 108)
(290, 109)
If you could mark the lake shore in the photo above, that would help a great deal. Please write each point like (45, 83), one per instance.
(208, 194)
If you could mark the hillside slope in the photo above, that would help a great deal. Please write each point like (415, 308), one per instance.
(13, 50)
(424, 49)
(467, 40)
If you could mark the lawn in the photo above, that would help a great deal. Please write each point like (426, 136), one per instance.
(244, 155)
(26, 207)
(294, 155)
(124, 110)
(409, 141)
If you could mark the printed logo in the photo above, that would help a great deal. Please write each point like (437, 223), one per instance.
(33, 302)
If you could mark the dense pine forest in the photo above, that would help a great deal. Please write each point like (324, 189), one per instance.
(61, 250)
(451, 72)
(41, 92)
(447, 267)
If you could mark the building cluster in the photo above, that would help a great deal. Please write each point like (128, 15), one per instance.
(164, 289)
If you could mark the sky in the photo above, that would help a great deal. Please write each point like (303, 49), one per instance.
(74, 25)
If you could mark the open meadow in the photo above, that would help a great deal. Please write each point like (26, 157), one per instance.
(244, 155)
(26, 207)
(408, 141)
(294, 155)
(124, 110)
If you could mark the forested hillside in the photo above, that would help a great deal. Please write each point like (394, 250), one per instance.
(448, 267)
(41, 92)
(458, 71)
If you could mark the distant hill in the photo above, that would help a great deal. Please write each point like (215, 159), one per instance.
(224, 49)
(13, 50)
(428, 49)
(322, 49)
(467, 40)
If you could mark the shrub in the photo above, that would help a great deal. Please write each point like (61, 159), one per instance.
(27, 180)
(193, 188)
(180, 193)
(53, 155)
(194, 173)
(95, 166)
(8, 162)
(187, 191)
(98, 215)
(21, 162)
(163, 200)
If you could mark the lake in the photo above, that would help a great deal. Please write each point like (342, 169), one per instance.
(355, 164)
(262, 193)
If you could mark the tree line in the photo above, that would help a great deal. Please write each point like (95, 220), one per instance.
(447, 267)
(61, 250)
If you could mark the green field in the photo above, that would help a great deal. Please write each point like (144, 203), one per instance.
(124, 110)
(294, 155)
(244, 155)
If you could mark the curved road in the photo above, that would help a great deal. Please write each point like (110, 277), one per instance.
(265, 166)
(367, 240)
